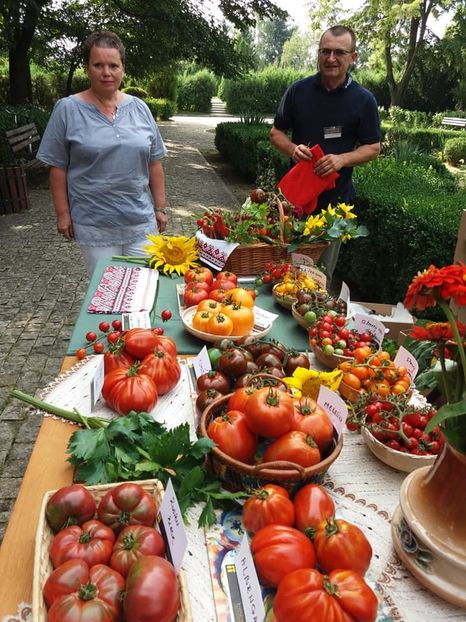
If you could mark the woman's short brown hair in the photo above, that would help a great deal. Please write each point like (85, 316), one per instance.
(103, 39)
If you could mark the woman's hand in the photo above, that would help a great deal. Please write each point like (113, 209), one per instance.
(65, 226)
(162, 220)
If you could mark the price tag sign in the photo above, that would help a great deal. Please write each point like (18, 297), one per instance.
(201, 363)
(138, 319)
(335, 407)
(345, 296)
(404, 358)
(97, 382)
(249, 586)
(318, 276)
(263, 318)
(171, 527)
(298, 259)
(367, 324)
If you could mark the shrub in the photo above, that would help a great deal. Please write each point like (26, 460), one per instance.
(427, 140)
(412, 118)
(136, 91)
(161, 108)
(239, 144)
(455, 150)
(195, 91)
(163, 84)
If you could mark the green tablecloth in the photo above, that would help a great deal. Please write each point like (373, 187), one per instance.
(285, 328)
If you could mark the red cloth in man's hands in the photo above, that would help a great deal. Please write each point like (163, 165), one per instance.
(301, 186)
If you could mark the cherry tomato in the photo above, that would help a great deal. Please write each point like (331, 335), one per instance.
(91, 336)
(98, 347)
(81, 354)
(104, 327)
(166, 315)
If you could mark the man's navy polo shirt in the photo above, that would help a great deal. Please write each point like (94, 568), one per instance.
(307, 108)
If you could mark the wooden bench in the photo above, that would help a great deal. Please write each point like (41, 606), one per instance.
(23, 142)
(454, 122)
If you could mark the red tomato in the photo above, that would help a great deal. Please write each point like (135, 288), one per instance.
(213, 380)
(92, 542)
(140, 341)
(70, 505)
(218, 294)
(125, 390)
(223, 284)
(239, 398)
(193, 296)
(197, 285)
(116, 357)
(270, 505)
(164, 343)
(200, 274)
(311, 418)
(312, 506)
(127, 504)
(269, 412)
(164, 370)
(278, 550)
(343, 596)
(132, 543)
(205, 398)
(151, 591)
(232, 435)
(75, 592)
(227, 275)
(340, 544)
(294, 446)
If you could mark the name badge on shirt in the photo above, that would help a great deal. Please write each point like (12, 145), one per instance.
(333, 131)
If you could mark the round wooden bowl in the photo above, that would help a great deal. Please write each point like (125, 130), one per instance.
(396, 459)
(283, 300)
(238, 475)
(329, 360)
(349, 393)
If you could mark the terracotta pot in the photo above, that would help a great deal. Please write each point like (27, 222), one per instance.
(429, 526)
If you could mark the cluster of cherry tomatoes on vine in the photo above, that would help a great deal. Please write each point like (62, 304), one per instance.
(332, 335)
(273, 272)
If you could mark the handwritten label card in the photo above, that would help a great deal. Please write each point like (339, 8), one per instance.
(249, 587)
(345, 296)
(172, 527)
(137, 319)
(404, 358)
(97, 382)
(263, 318)
(367, 324)
(335, 407)
(298, 259)
(201, 363)
(318, 276)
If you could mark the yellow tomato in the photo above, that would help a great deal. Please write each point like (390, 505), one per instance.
(240, 296)
(242, 318)
(201, 320)
(220, 324)
(209, 305)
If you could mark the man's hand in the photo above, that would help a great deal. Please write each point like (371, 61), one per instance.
(301, 152)
(330, 163)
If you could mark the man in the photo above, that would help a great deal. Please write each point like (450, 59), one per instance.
(332, 110)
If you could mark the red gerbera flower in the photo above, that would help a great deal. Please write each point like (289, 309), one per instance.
(436, 331)
(454, 283)
(420, 294)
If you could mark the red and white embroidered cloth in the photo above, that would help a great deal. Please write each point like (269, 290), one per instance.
(125, 290)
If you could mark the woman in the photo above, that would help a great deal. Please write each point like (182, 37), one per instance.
(105, 153)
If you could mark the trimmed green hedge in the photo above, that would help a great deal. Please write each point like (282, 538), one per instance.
(161, 109)
(238, 142)
(195, 91)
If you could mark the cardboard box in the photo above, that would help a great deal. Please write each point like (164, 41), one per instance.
(394, 317)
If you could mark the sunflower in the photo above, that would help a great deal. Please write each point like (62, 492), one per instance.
(172, 253)
(306, 382)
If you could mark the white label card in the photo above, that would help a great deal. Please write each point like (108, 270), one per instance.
(298, 259)
(345, 296)
(404, 358)
(367, 324)
(137, 319)
(249, 587)
(172, 527)
(318, 276)
(201, 363)
(263, 318)
(97, 382)
(335, 407)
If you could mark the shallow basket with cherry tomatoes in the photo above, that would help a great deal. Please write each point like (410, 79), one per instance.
(263, 459)
(372, 372)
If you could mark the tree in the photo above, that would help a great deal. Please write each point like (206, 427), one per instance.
(271, 35)
(300, 51)
(155, 33)
(398, 30)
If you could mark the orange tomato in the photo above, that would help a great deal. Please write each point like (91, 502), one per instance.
(240, 296)
(362, 354)
(345, 366)
(201, 320)
(351, 380)
(242, 318)
(383, 355)
(398, 387)
(214, 306)
(382, 389)
(220, 324)
(361, 371)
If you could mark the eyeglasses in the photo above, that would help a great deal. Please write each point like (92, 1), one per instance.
(337, 53)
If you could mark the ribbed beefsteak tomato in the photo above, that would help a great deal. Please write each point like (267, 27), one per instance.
(140, 341)
(132, 543)
(152, 593)
(269, 505)
(130, 389)
(311, 418)
(340, 544)
(92, 542)
(231, 434)
(164, 370)
(278, 550)
(70, 505)
(342, 596)
(127, 504)
(269, 412)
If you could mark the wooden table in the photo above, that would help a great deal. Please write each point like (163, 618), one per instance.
(46, 470)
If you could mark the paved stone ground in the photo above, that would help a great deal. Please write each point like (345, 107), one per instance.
(43, 282)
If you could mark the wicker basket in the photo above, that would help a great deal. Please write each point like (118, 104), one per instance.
(44, 536)
(250, 259)
(238, 475)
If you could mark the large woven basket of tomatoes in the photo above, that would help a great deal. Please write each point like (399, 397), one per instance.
(264, 435)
